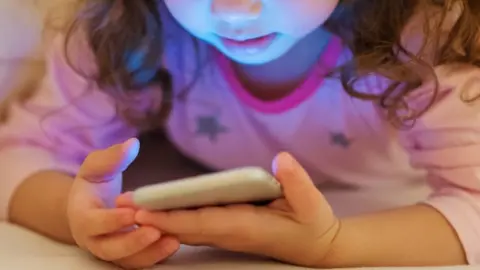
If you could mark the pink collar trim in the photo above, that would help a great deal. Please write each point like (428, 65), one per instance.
(327, 62)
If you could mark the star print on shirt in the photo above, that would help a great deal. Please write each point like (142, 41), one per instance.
(210, 126)
(340, 139)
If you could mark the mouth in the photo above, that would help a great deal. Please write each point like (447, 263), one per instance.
(250, 45)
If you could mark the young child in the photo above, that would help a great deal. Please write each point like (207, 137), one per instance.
(361, 92)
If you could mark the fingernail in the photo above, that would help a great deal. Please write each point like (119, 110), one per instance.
(275, 164)
(132, 146)
(127, 142)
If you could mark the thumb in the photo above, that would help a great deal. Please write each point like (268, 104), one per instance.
(300, 192)
(104, 165)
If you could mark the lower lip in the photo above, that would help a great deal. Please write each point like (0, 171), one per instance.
(250, 46)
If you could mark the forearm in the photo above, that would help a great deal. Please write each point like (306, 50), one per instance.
(411, 236)
(40, 204)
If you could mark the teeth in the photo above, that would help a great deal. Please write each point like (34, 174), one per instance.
(247, 38)
(243, 39)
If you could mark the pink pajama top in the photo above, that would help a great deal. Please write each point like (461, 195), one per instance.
(220, 124)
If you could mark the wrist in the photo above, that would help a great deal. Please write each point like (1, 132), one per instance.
(407, 236)
(336, 256)
(330, 245)
(45, 212)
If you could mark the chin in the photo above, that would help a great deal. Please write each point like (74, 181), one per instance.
(250, 60)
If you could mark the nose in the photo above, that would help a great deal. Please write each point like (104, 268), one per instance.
(236, 12)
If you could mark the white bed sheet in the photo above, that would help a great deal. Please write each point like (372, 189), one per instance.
(22, 250)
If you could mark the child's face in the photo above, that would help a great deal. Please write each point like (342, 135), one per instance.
(251, 31)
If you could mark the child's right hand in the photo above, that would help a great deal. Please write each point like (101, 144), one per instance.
(110, 233)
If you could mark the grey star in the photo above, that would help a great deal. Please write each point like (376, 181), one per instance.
(209, 126)
(340, 139)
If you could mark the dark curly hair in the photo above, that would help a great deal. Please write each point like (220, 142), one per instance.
(371, 29)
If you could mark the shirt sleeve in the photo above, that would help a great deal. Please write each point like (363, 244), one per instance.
(445, 142)
(68, 117)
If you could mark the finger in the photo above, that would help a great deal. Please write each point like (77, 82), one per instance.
(205, 221)
(155, 253)
(118, 246)
(300, 192)
(281, 204)
(125, 200)
(105, 221)
(104, 165)
(175, 222)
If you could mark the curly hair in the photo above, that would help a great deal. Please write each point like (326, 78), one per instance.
(372, 29)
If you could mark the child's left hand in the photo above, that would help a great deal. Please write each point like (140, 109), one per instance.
(300, 228)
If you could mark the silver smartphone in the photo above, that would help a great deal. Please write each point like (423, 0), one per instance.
(244, 185)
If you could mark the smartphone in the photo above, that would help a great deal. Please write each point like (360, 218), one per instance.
(243, 185)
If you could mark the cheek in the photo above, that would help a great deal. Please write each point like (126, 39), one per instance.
(191, 14)
(303, 16)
